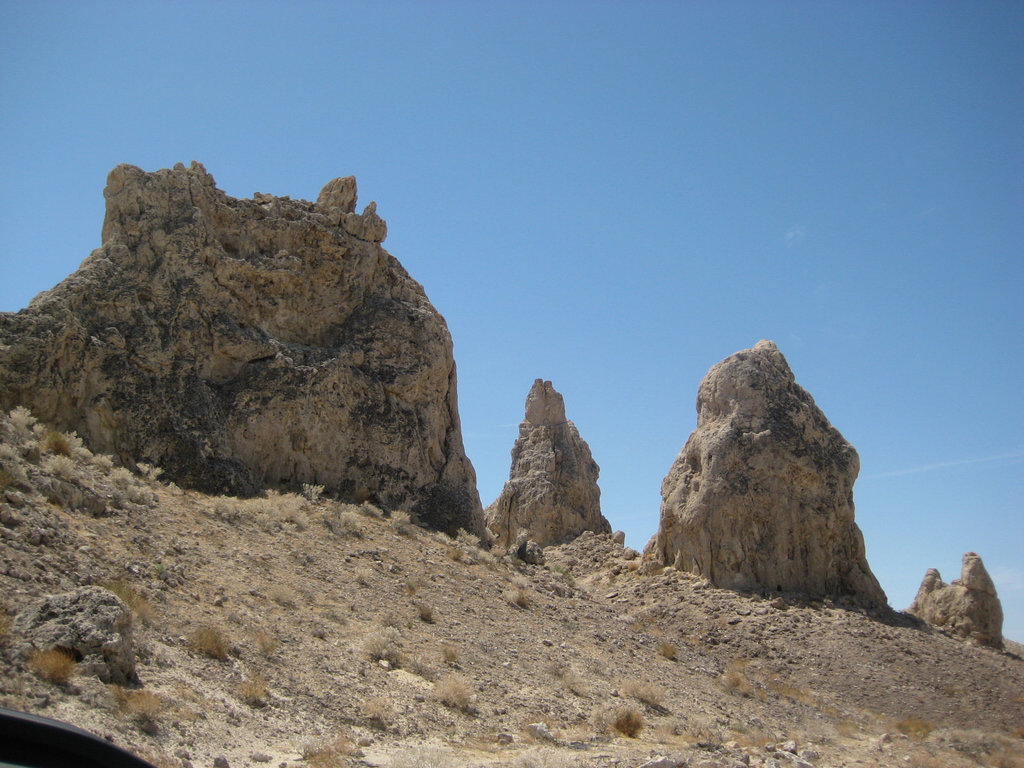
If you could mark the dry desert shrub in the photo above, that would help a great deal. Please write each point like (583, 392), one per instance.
(450, 654)
(20, 425)
(344, 524)
(384, 645)
(735, 679)
(253, 690)
(283, 596)
(56, 442)
(378, 712)
(59, 465)
(621, 718)
(313, 493)
(329, 753)
(454, 693)
(418, 666)
(6, 479)
(130, 596)
(56, 665)
(209, 640)
(648, 693)
(668, 650)
(517, 596)
(425, 612)
(914, 727)
(570, 678)
(266, 643)
(142, 706)
(401, 522)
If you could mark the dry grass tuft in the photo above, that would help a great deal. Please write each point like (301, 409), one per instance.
(209, 640)
(56, 665)
(914, 727)
(383, 645)
(668, 650)
(283, 596)
(329, 754)
(518, 596)
(344, 524)
(648, 693)
(455, 693)
(378, 712)
(56, 442)
(143, 706)
(735, 680)
(450, 654)
(130, 596)
(625, 719)
(253, 690)
(401, 522)
(266, 643)
(425, 612)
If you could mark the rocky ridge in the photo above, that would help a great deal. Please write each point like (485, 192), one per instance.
(551, 495)
(244, 344)
(761, 495)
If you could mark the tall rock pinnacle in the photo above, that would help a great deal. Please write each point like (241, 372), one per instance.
(552, 492)
(239, 344)
(761, 495)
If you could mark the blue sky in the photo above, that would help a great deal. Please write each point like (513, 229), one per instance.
(614, 197)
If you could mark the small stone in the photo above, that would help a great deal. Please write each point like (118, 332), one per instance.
(221, 762)
(540, 731)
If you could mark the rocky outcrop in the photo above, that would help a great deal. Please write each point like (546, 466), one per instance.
(968, 607)
(551, 495)
(240, 344)
(91, 624)
(761, 495)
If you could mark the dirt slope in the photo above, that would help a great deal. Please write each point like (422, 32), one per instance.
(350, 638)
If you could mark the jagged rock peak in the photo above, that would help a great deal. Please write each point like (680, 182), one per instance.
(246, 343)
(968, 607)
(761, 495)
(551, 495)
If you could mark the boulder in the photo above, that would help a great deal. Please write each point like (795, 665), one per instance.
(969, 607)
(242, 344)
(761, 495)
(91, 623)
(551, 495)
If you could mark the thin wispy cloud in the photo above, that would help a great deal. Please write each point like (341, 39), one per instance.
(1011, 457)
(795, 234)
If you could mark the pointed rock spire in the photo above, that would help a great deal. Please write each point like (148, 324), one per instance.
(552, 492)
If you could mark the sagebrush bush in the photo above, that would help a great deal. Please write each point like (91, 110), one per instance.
(401, 522)
(209, 640)
(142, 705)
(384, 645)
(61, 466)
(253, 690)
(378, 711)
(668, 650)
(344, 523)
(56, 665)
(455, 693)
(266, 643)
(650, 694)
(517, 596)
(621, 718)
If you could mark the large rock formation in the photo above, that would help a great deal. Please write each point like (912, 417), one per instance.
(968, 607)
(761, 495)
(552, 492)
(244, 343)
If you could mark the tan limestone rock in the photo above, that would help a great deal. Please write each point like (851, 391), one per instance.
(551, 495)
(240, 344)
(761, 495)
(968, 607)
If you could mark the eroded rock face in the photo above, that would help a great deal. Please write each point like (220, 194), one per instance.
(761, 495)
(969, 606)
(240, 344)
(551, 495)
(92, 624)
